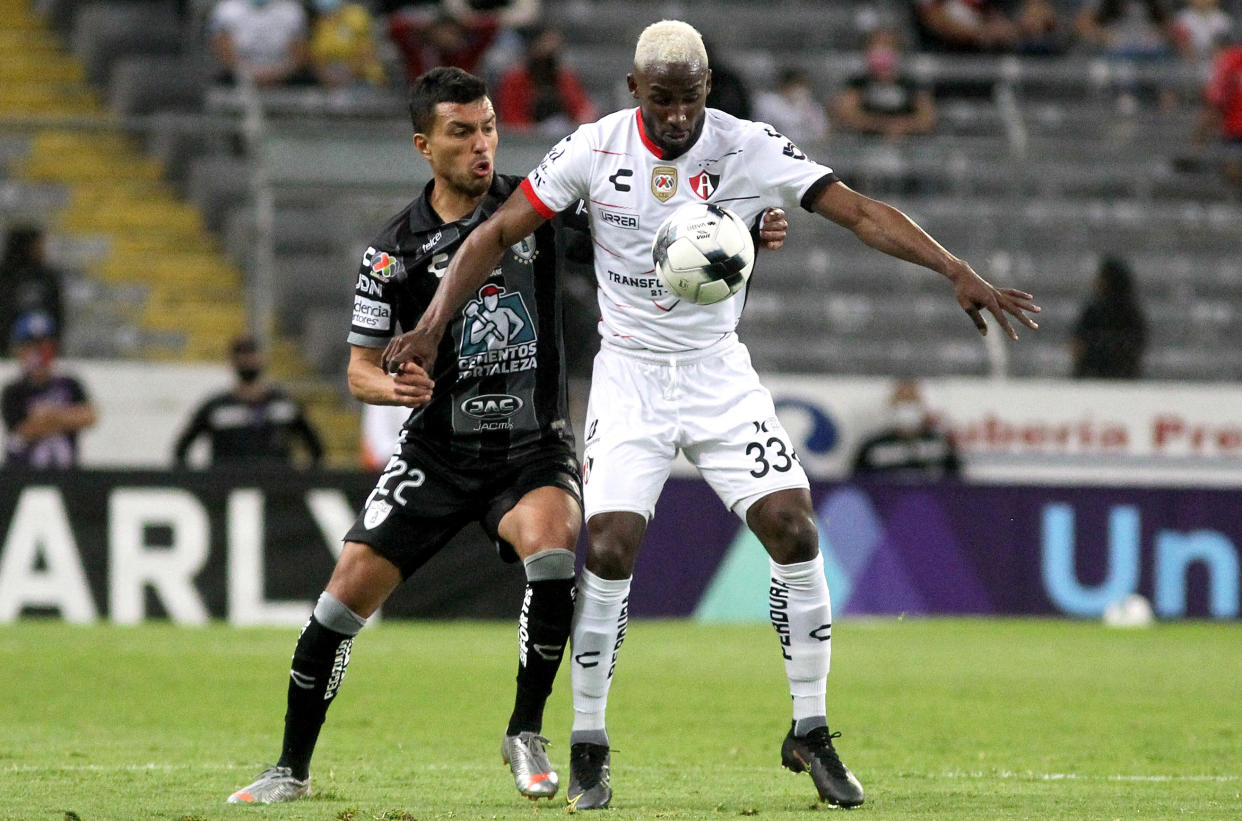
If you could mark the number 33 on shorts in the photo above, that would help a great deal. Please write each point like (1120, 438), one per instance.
(770, 452)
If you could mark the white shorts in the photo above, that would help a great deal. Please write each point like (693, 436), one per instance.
(708, 404)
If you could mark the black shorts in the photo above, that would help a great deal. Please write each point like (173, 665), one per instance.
(422, 501)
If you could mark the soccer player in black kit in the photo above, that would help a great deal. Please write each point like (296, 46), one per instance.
(488, 439)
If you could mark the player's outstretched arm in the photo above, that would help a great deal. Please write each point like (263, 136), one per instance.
(370, 383)
(478, 256)
(887, 229)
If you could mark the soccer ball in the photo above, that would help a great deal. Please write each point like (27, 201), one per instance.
(703, 253)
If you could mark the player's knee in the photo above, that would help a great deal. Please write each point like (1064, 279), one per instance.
(788, 531)
(613, 544)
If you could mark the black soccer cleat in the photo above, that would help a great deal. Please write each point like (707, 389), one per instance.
(815, 754)
(588, 777)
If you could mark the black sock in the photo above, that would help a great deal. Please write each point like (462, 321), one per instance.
(319, 663)
(543, 632)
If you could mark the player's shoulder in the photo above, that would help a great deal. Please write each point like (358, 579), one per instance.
(414, 218)
(608, 129)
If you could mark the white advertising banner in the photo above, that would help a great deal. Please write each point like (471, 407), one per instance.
(1045, 431)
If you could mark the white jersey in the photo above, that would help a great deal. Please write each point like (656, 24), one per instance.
(629, 189)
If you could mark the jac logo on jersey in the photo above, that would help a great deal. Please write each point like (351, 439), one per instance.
(627, 221)
(492, 406)
(664, 182)
(383, 265)
(704, 184)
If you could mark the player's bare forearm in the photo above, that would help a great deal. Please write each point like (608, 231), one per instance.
(886, 229)
(370, 383)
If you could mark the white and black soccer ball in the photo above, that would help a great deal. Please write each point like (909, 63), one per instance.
(703, 253)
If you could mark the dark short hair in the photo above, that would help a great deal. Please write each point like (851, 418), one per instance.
(446, 84)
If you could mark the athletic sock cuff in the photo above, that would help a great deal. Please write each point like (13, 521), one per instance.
(798, 573)
(604, 589)
(549, 565)
(337, 617)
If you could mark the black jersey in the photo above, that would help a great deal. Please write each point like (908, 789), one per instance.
(242, 431)
(500, 368)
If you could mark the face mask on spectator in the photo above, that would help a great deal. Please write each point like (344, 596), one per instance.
(908, 416)
(249, 374)
(881, 60)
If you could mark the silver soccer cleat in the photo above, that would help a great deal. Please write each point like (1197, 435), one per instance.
(274, 785)
(527, 758)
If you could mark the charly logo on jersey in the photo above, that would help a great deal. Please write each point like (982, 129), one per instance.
(525, 250)
(497, 336)
(704, 184)
(382, 265)
(664, 182)
(376, 513)
(492, 406)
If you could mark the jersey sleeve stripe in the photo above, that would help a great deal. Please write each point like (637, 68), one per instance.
(816, 188)
(536, 203)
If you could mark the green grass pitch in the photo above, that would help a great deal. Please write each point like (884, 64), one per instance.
(942, 719)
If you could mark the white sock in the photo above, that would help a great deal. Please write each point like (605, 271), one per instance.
(801, 612)
(599, 628)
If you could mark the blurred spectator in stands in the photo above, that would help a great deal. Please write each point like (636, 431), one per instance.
(265, 40)
(27, 282)
(1127, 31)
(43, 410)
(1110, 335)
(1220, 121)
(457, 33)
(729, 91)
(1041, 29)
(792, 108)
(253, 423)
(1134, 29)
(542, 93)
(381, 430)
(969, 26)
(882, 99)
(1200, 29)
(343, 50)
(912, 447)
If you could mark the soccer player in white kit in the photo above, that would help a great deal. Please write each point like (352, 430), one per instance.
(672, 376)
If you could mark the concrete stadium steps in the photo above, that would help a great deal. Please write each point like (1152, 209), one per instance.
(38, 68)
(80, 156)
(156, 284)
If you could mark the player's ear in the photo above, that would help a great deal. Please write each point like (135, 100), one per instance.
(421, 145)
(633, 85)
(707, 85)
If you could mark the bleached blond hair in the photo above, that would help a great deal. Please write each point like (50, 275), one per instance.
(669, 42)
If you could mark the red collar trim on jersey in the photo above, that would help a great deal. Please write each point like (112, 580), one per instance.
(642, 135)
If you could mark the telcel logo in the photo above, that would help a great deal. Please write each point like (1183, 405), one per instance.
(492, 406)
